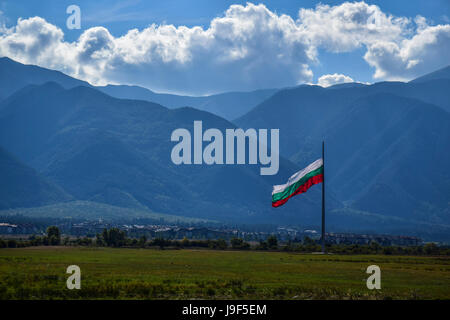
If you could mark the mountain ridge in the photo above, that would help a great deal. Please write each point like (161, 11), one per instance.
(229, 105)
(359, 126)
(117, 151)
(93, 144)
(22, 186)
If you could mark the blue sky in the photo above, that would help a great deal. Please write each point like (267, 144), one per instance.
(359, 60)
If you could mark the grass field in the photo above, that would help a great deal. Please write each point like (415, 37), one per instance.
(40, 273)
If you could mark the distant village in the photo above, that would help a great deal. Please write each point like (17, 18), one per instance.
(172, 232)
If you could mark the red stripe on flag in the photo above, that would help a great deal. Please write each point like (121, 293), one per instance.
(301, 189)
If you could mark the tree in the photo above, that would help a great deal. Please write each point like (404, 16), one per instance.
(262, 245)
(185, 242)
(308, 241)
(375, 247)
(431, 248)
(238, 243)
(221, 244)
(53, 235)
(272, 242)
(105, 236)
(66, 241)
(160, 242)
(114, 237)
(142, 241)
(217, 244)
(99, 240)
(12, 244)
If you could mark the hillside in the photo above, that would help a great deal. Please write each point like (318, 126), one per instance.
(118, 151)
(387, 150)
(229, 105)
(386, 154)
(21, 186)
(95, 210)
(15, 76)
(440, 74)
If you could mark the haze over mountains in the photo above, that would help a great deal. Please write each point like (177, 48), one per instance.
(15, 76)
(436, 75)
(387, 150)
(22, 186)
(229, 105)
(117, 151)
(387, 153)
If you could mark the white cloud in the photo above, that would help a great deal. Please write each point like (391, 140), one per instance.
(397, 47)
(249, 47)
(426, 51)
(36, 41)
(332, 79)
(350, 25)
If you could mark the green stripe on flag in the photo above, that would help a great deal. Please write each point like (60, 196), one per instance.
(291, 189)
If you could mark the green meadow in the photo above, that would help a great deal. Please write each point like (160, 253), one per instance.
(107, 273)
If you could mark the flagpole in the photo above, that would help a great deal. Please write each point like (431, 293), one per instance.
(323, 198)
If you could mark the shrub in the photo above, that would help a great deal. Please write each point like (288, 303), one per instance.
(272, 242)
(238, 243)
(12, 244)
(54, 235)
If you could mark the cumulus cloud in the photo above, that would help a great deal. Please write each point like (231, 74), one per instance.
(426, 51)
(348, 26)
(38, 42)
(399, 48)
(332, 79)
(248, 47)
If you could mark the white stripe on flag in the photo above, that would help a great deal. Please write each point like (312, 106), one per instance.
(298, 175)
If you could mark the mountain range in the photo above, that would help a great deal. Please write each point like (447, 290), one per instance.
(388, 147)
(387, 150)
(22, 186)
(229, 105)
(117, 151)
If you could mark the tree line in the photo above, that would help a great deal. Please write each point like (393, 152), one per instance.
(117, 238)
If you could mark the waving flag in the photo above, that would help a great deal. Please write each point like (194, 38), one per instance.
(298, 183)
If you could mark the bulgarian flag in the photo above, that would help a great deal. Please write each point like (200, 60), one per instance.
(300, 182)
